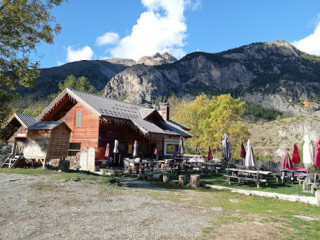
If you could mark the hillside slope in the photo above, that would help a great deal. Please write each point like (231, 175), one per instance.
(271, 139)
(97, 72)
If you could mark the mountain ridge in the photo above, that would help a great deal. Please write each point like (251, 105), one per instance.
(252, 72)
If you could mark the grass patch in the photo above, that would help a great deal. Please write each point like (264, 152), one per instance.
(290, 189)
(30, 171)
(45, 187)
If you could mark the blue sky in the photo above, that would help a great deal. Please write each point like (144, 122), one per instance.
(99, 29)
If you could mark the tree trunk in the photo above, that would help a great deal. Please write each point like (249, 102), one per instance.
(182, 180)
(166, 177)
(195, 181)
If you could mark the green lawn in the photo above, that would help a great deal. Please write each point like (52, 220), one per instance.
(220, 180)
(287, 188)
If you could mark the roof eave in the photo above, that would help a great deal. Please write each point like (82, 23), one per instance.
(11, 118)
(61, 95)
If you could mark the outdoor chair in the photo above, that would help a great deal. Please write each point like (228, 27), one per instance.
(311, 180)
(301, 178)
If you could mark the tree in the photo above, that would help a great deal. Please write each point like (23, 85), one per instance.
(23, 24)
(81, 84)
(209, 119)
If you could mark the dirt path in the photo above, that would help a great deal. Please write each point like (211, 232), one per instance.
(47, 207)
(40, 207)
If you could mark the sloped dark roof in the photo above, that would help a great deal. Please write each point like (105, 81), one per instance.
(110, 107)
(45, 125)
(28, 120)
(113, 108)
(20, 119)
(175, 123)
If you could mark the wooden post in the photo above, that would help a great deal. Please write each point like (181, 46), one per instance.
(182, 180)
(318, 198)
(166, 177)
(195, 181)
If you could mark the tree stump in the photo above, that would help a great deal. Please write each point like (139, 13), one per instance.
(182, 180)
(166, 177)
(64, 165)
(195, 181)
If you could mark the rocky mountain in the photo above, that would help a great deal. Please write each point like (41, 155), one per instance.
(274, 75)
(98, 72)
(156, 59)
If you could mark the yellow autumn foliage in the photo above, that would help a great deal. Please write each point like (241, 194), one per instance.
(209, 119)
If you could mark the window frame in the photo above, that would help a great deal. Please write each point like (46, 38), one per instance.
(78, 117)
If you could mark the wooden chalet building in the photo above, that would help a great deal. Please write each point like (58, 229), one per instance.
(19, 123)
(96, 121)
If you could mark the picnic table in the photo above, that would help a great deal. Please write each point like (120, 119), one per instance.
(212, 167)
(295, 173)
(256, 176)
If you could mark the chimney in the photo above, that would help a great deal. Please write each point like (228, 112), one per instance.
(164, 110)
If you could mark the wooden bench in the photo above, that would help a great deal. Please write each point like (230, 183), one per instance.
(246, 178)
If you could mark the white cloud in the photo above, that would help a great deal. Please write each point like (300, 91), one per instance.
(85, 53)
(311, 43)
(108, 38)
(161, 27)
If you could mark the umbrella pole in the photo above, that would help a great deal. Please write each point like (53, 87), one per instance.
(228, 165)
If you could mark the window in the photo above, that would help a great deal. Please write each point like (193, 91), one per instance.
(169, 147)
(74, 148)
(78, 118)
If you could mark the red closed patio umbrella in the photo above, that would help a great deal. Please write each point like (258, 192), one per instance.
(243, 151)
(295, 156)
(286, 163)
(107, 154)
(317, 158)
(156, 151)
(175, 153)
(210, 157)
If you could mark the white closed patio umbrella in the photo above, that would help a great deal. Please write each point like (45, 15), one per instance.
(115, 149)
(135, 149)
(181, 146)
(307, 152)
(250, 161)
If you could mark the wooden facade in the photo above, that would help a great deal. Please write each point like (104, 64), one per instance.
(88, 133)
(20, 133)
(18, 125)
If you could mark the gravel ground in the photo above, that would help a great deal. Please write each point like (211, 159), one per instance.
(41, 207)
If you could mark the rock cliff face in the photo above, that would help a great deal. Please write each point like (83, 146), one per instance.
(274, 75)
(157, 59)
(271, 139)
